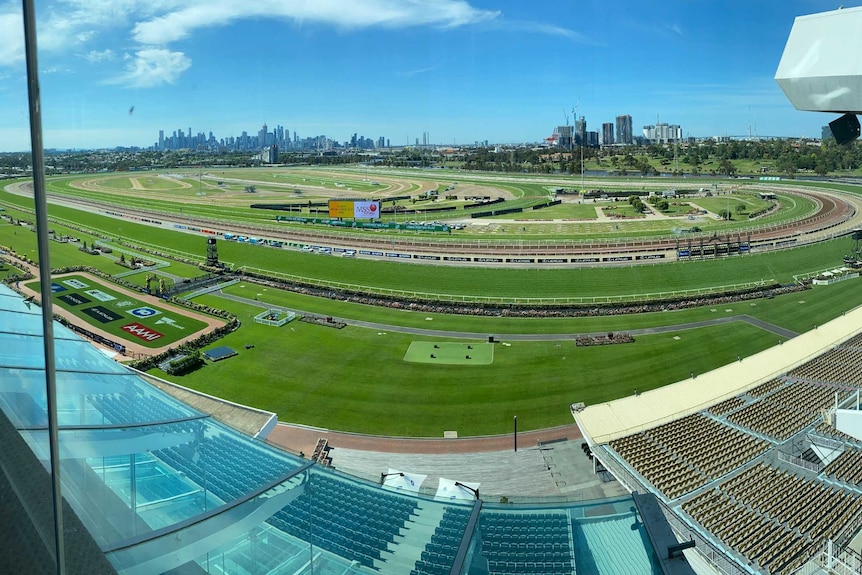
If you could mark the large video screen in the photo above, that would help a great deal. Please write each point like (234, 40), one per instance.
(354, 209)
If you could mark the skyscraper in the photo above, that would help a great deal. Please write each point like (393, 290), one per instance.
(581, 131)
(564, 139)
(624, 129)
(261, 137)
(607, 134)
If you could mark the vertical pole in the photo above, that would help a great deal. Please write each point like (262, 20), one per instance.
(516, 433)
(133, 493)
(40, 204)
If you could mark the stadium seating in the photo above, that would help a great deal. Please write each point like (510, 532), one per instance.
(120, 408)
(688, 453)
(840, 365)
(827, 430)
(786, 410)
(766, 388)
(439, 553)
(847, 467)
(356, 523)
(727, 406)
(227, 467)
(775, 518)
(527, 543)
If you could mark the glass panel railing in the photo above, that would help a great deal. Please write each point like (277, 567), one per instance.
(130, 481)
(235, 539)
(336, 524)
(604, 537)
(86, 399)
(266, 549)
(22, 351)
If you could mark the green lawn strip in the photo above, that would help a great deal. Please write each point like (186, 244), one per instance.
(506, 283)
(8, 270)
(566, 210)
(120, 306)
(356, 380)
(466, 354)
(802, 311)
(638, 281)
(822, 303)
(63, 254)
(730, 202)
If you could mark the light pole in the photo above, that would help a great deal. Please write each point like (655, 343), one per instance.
(582, 162)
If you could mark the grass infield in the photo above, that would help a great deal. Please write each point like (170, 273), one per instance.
(121, 315)
(450, 353)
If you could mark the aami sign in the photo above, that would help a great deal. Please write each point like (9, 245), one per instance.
(142, 332)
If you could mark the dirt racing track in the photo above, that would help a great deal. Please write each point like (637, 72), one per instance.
(836, 214)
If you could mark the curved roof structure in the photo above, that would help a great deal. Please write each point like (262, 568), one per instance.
(162, 487)
(611, 420)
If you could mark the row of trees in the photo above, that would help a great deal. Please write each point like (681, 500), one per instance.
(786, 157)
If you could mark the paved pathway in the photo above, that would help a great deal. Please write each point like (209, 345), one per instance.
(304, 438)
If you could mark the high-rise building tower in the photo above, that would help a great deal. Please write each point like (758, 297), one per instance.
(581, 131)
(607, 134)
(624, 130)
(261, 137)
(564, 137)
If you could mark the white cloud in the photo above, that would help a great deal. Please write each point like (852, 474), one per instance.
(417, 71)
(77, 25)
(675, 29)
(100, 56)
(152, 67)
(56, 70)
(66, 24)
(547, 29)
(180, 23)
(12, 33)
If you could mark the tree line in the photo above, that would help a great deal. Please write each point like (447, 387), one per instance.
(784, 157)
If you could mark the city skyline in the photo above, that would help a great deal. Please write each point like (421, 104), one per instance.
(113, 74)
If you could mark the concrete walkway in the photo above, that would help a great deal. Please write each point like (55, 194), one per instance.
(304, 438)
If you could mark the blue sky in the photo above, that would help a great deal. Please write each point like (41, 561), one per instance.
(462, 70)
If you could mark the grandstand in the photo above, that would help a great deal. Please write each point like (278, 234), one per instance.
(752, 467)
(161, 487)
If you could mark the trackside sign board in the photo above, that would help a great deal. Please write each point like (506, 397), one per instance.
(354, 209)
(142, 332)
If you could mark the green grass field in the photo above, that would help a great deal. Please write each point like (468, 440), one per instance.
(121, 315)
(450, 353)
(291, 370)
(218, 205)
(357, 379)
(511, 284)
(822, 303)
